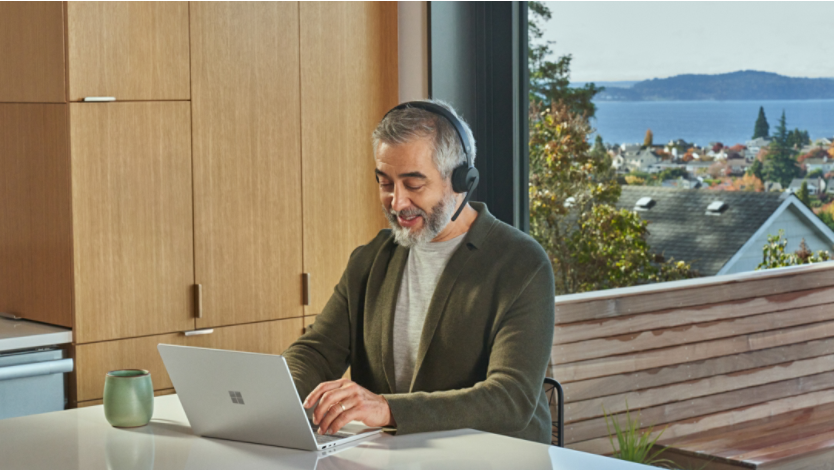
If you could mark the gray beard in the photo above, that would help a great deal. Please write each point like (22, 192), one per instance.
(433, 222)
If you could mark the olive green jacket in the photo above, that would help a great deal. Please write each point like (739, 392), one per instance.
(485, 344)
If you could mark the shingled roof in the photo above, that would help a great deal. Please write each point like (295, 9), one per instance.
(680, 228)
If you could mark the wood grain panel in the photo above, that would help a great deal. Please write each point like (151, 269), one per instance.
(96, 359)
(36, 227)
(690, 352)
(247, 161)
(32, 52)
(348, 83)
(575, 332)
(708, 422)
(692, 333)
(130, 50)
(693, 408)
(132, 215)
(691, 293)
(587, 409)
(614, 384)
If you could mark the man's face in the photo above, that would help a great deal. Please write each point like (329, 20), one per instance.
(416, 199)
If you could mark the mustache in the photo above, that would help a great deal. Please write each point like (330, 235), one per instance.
(410, 212)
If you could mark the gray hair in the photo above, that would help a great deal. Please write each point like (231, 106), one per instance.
(409, 124)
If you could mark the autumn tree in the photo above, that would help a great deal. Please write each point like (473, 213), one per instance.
(550, 81)
(648, 140)
(762, 129)
(591, 244)
(748, 183)
(775, 256)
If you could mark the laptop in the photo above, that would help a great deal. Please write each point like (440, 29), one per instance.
(247, 397)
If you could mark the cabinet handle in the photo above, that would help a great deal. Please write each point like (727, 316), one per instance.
(10, 316)
(198, 300)
(99, 99)
(305, 288)
(206, 331)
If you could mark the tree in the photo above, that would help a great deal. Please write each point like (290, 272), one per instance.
(779, 162)
(591, 244)
(755, 169)
(774, 255)
(550, 81)
(748, 183)
(818, 173)
(797, 139)
(648, 140)
(803, 195)
(762, 128)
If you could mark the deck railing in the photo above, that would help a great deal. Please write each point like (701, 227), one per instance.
(689, 356)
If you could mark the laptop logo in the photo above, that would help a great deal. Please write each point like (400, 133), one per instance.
(237, 398)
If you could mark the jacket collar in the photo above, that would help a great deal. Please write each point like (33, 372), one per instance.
(390, 287)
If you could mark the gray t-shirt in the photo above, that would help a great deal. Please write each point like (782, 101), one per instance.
(422, 271)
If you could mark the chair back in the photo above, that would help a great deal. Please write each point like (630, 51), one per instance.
(556, 400)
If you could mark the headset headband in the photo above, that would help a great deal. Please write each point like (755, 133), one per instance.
(440, 110)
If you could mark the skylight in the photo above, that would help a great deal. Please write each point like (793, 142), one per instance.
(716, 207)
(644, 204)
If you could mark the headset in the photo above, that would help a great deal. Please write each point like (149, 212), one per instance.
(465, 177)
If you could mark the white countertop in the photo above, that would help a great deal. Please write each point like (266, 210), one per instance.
(25, 334)
(82, 439)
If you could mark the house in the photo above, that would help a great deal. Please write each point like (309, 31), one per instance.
(825, 164)
(643, 160)
(815, 185)
(773, 186)
(757, 144)
(723, 232)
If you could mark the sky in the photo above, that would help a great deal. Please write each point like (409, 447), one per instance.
(613, 41)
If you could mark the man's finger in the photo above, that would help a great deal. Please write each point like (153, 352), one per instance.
(328, 400)
(323, 387)
(350, 415)
(337, 418)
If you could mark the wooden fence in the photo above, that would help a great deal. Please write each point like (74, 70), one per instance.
(690, 356)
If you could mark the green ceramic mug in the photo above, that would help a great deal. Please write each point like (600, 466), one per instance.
(128, 398)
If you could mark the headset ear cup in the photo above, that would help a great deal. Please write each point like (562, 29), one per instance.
(462, 177)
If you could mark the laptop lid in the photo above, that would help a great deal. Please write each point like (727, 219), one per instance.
(239, 396)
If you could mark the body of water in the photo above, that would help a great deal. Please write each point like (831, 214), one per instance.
(702, 122)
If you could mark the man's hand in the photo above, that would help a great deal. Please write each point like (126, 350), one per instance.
(342, 401)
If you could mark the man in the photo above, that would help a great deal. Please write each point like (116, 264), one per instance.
(446, 322)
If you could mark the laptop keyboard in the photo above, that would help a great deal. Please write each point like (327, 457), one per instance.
(322, 439)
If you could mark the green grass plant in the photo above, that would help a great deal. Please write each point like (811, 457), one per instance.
(634, 445)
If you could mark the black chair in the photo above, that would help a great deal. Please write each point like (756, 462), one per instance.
(556, 400)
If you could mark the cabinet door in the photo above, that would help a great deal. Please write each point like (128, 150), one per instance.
(93, 361)
(132, 219)
(348, 83)
(129, 50)
(247, 161)
(35, 223)
(32, 52)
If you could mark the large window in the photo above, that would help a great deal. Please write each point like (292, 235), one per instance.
(671, 140)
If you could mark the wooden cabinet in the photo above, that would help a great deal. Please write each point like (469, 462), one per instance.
(98, 358)
(35, 223)
(32, 52)
(129, 50)
(348, 83)
(132, 219)
(237, 156)
(247, 161)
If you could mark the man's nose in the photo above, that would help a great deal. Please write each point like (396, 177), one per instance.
(401, 200)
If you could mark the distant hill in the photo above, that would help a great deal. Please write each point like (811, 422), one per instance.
(743, 85)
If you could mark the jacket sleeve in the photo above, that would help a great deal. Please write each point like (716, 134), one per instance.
(323, 352)
(506, 400)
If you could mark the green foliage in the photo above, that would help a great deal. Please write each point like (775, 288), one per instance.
(803, 194)
(573, 189)
(762, 128)
(818, 173)
(827, 219)
(774, 255)
(797, 138)
(780, 162)
(634, 445)
(756, 169)
(550, 81)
